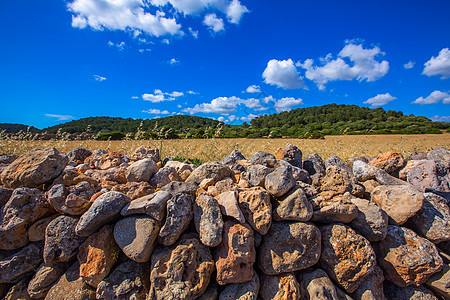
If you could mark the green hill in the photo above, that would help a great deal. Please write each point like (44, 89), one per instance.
(14, 128)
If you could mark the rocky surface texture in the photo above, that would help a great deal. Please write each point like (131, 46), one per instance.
(102, 225)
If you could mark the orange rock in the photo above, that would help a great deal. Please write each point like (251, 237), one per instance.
(391, 162)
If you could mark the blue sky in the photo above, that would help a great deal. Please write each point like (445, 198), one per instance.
(225, 59)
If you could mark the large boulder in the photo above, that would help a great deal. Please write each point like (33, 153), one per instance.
(280, 181)
(236, 254)
(293, 206)
(346, 256)
(363, 171)
(433, 219)
(263, 158)
(34, 168)
(256, 174)
(20, 264)
(424, 174)
(130, 280)
(24, 207)
(136, 235)
(440, 155)
(141, 170)
(400, 202)
(406, 257)
(391, 162)
(61, 242)
(289, 247)
(211, 170)
(179, 215)
(182, 271)
(256, 206)
(208, 220)
(104, 209)
(97, 255)
(291, 154)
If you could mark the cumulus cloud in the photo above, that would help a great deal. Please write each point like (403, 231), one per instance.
(409, 65)
(229, 105)
(121, 15)
(214, 23)
(173, 61)
(440, 118)
(155, 111)
(283, 73)
(380, 100)
(235, 11)
(60, 117)
(160, 96)
(286, 104)
(249, 117)
(353, 62)
(99, 78)
(192, 93)
(193, 32)
(253, 89)
(439, 65)
(434, 97)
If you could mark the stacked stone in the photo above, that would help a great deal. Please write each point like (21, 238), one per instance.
(99, 225)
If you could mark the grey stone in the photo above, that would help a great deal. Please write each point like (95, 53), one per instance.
(210, 170)
(233, 158)
(79, 154)
(371, 221)
(315, 284)
(440, 155)
(280, 181)
(45, 277)
(256, 174)
(153, 205)
(293, 206)
(263, 158)
(179, 215)
(136, 236)
(103, 210)
(61, 242)
(176, 187)
(163, 177)
(18, 265)
(229, 206)
(242, 291)
(5, 194)
(291, 154)
(208, 220)
(394, 292)
(141, 170)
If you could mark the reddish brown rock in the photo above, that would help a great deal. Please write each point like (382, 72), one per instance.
(289, 247)
(23, 208)
(97, 255)
(236, 254)
(34, 168)
(74, 200)
(440, 282)
(134, 190)
(256, 206)
(281, 287)
(339, 180)
(71, 177)
(406, 257)
(182, 271)
(372, 287)
(391, 162)
(400, 202)
(346, 256)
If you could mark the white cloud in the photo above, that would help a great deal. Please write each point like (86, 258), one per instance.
(214, 23)
(253, 89)
(135, 97)
(235, 11)
(233, 118)
(154, 111)
(283, 73)
(121, 15)
(379, 100)
(221, 119)
(193, 32)
(439, 65)
(99, 78)
(363, 66)
(160, 96)
(173, 61)
(409, 65)
(221, 105)
(145, 50)
(119, 46)
(192, 93)
(165, 41)
(286, 104)
(60, 117)
(440, 118)
(434, 97)
(249, 118)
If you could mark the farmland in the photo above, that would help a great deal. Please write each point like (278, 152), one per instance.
(345, 146)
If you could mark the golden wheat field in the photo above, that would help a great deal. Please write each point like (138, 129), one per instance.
(346, 147)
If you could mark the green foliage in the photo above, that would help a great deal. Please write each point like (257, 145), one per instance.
(14, 128)
(112, 136)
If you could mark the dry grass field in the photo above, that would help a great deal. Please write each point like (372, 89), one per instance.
(345, 147)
